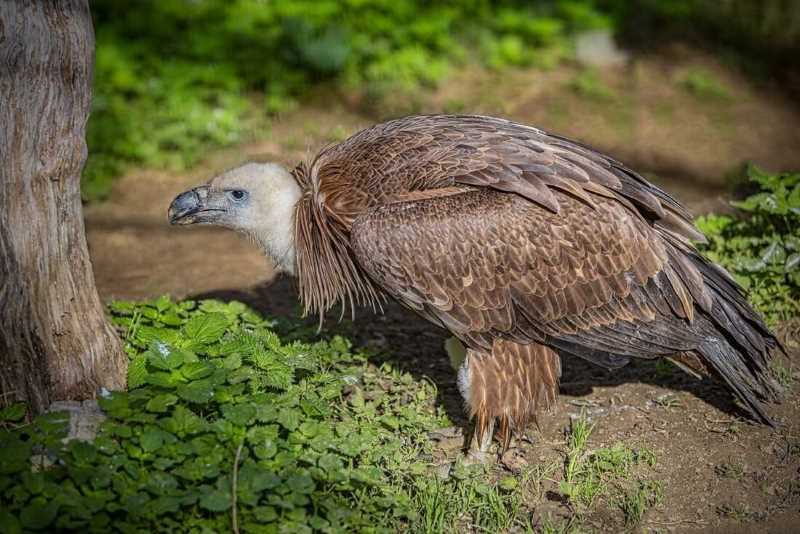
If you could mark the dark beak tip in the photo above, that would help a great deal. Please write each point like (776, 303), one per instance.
(174, 216)
(182, 207)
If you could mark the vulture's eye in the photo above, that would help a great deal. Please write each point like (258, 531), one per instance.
(237, 195)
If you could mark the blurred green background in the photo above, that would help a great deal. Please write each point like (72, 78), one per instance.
(174, 78)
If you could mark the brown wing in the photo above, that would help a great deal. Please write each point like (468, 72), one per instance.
(485, 264)
(434, 151)
(424, 155)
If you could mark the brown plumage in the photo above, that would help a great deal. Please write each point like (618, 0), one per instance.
(525, 245)
(510, 383)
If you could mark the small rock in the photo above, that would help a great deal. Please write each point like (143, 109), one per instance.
(443, 471)
(41, 462)
(84, 418)
(591, 413)
(450, 444)
(446, 432)
(479, 458)
(597, 49)
(514, 460)
(448, 439)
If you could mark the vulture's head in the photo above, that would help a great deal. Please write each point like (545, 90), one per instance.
(256, 199)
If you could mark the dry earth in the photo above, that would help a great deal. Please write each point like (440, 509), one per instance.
(720, 473)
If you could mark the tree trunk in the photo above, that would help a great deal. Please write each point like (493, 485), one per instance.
(55, 342)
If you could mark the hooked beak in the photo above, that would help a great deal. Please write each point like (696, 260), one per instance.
(193, 207)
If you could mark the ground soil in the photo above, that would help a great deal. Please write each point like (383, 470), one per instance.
(683, 141)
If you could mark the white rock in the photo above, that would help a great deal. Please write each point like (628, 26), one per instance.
(597, 48)
(84, 418)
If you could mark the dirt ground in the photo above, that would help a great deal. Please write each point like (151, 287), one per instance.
(720, 473)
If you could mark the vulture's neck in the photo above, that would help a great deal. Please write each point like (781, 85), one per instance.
(276, 235)
(326, 270)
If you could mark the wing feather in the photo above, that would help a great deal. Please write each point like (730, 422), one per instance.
(435, 151)
(568, 289)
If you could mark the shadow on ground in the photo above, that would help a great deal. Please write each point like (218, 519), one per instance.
(411, 343)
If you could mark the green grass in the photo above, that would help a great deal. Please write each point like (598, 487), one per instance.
(446, 507)
(704, 85)
(635, 502)
(549, 526)
(588, 84)
(667, 401)
(782, 373)
(610, 474)
(733, 470)
(577, 440)
(739, 512)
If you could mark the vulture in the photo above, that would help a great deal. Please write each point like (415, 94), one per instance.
(523, 244)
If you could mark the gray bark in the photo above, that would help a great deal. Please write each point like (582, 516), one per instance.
(55, 341)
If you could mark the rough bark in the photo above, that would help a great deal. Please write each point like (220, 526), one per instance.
(55, 342)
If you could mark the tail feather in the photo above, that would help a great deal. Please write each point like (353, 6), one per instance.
(750, 387)
(738, 345)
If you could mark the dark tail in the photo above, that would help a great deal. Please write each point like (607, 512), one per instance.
(738, 345)
(749, 385)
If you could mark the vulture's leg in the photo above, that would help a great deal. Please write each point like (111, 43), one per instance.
(471, 384)
(509, 386)
(480, 439)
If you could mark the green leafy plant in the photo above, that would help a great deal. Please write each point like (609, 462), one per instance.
(229, 425)
(761, 247)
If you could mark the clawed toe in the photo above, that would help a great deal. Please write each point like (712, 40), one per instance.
(474, 457)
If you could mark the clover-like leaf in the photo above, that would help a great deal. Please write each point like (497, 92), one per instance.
(116, 405)
(300, 483)
(13, 413)
(16, 452)
(206, 328)
(215, 500)
(137, 371)
(200, 391)
(164, 356)
(153, 439)
(39, 514)
(330, 462)
(266, 449)
(256, 478)
(289, 419)
(83, 452)
(239, 414)
(266, 514)
(196, 370)
(161, 403)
